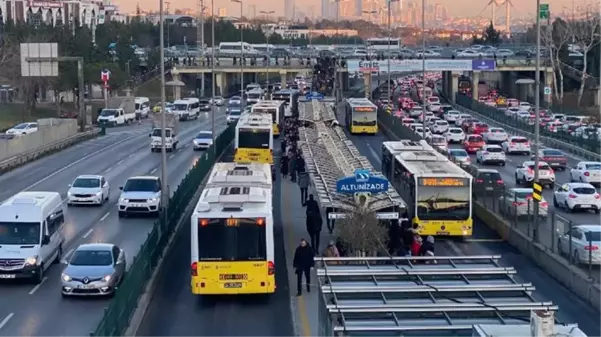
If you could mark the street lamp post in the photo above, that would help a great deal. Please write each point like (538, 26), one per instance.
(267, 13)
(423, 68)
(336, 84)
(201, 40)
(241, 57)
(369, 18)
(389, 54)
(213, 77)
(537, 114)
(164, 188)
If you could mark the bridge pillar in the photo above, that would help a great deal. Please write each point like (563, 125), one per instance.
(221, 83)
(177, 90)
(548, 83)
(445, 83)
(454, 85)
(284, 78)
(475, 81)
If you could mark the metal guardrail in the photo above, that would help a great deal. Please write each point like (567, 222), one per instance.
(18, 160)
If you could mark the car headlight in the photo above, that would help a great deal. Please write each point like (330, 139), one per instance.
(69, 194)
(107, 278)
(123, 200)
(153, 199)
(98, 193)
(31, 261)
(66, 278)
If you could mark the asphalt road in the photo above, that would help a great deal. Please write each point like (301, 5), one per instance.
(31, 310)
(487, 242)
(175, 311)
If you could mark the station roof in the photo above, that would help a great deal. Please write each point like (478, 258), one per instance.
(314, 110)
(384, 296)
(330, 156)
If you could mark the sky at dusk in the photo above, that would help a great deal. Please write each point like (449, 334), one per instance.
(463, 8)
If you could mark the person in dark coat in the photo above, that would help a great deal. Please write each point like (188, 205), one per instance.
(284, 166)
(300, 163)
(394, 238)
(303, 183)
(314, 221)
(427, 247)
(292, 167)
(302, 263)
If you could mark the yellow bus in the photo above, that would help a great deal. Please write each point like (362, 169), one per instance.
(438, 193)
(232, 237)
(361, 116)
(273, 108)
(254, 139)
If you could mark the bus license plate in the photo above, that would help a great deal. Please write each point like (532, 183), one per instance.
(442, 233)
(233, 285)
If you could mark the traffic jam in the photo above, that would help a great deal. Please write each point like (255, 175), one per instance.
(491, 155)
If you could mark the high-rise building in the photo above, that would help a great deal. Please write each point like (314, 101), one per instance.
(289, 9)
(438, 12)
(325, 9)
(358, 8)
(222, 12)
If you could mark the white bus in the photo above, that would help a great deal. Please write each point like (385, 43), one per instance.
(437, 191)
(380, 44)
(233, 49)
(232, 236)
(275, 109)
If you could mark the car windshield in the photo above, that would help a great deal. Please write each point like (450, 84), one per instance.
(180, 107)
(585, 190)
(108, 112)
(141, 185)
(593, 166)
(523, 195)
(20, 233)
(497, 130)
(459, 153)
(494, 149)
(204, 135)
(92, 258)
(204, 102)
(439, 140)
(593, 236)
(455, 131)
(552, 153)
(20, 126)
(86, 182)
(235, 98)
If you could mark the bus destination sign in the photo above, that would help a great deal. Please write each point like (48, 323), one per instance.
(456, 182)
(364, 109)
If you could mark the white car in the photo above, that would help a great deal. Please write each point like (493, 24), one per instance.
(516, 144)
(141, 195)
(420, 131)
(235, 100)
(587, 172)
(415, 125)
(455, 135)
(88, 190)
(512, 112)
(202, 141)
(461, 118)
(522, 114)
(525, 106)
(524, 174)
(415, 112)
(426, 53)
(584, 241)
(434, 107)
(451, 116)
(577, 196)
(504, 53)
(22, 129)
(218, 101)
(469, 53)
(439, 142)
(495, 135)
(439, 126)
(491, 154)
(519, 202)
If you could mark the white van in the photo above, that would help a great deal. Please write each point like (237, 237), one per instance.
(254, 95)
(187, 108)
(142, 107)
(114, 117)
(234, 49)
(30, 236)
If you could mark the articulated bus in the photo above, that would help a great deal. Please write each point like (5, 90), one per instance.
(381, 44)
(275, 109)
(254, 139)
(232, 232)
(438, 192)
(290, 99)
(361, 116)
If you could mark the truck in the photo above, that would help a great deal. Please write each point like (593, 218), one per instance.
(171, 133)
(118, 112)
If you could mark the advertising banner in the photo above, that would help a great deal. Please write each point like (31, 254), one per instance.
(483, 65)
(401, 66)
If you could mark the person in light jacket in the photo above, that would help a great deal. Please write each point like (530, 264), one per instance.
(303, 183)
(331, 251)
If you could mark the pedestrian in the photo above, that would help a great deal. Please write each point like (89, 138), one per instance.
(394, 238)
(300, 163)
(283, 147)
(416, 245)
(303, 183)
(284, 166)
(427, 248)
(292, 166)
(302, 263)
(408, 235)
(313, 222)
(331, 251)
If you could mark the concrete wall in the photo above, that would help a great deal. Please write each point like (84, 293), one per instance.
(50, 131)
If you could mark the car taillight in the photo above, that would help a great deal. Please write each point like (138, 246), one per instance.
(530, 170)
(194, 268)
(591, 247)
(270, 268)
(586, 174)
(544, 204)
(500, 182)
(479, 180)
(519, 203)
(572, 196)
(597, 196)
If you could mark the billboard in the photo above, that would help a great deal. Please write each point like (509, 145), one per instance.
(402, 66)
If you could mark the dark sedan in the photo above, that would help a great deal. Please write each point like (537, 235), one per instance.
(555, 158)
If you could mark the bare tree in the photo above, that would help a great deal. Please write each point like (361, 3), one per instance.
(585, 35)
(556, 37)
(362, 232)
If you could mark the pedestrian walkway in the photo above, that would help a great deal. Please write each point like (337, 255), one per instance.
(304, 308)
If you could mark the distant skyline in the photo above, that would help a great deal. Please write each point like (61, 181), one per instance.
(457, 8)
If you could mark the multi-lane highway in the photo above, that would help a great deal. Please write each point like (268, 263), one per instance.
(31, 310)
(175, 311)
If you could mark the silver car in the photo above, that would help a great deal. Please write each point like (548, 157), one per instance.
(94, 269)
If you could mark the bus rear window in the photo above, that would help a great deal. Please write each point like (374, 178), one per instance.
(232, 239)
(253, 138)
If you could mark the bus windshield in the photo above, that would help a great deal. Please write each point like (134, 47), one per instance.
(232, 240)
(253, 138)
(443, 203)
(364, 118)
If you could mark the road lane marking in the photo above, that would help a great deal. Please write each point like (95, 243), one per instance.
(108, 169)
(455, 248)
(153, 170)
(6, 319)
(66, 255)
(38, 286)
(105, 216)
(120, 162)
(131, 155)
(85, 236)
(171, 156)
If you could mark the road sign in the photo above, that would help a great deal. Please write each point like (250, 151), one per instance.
(543, 11)
(105, 75)
(37, 68)
(537, 192)
(362, 182)
(547, 90)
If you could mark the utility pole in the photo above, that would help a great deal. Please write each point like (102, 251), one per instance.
(200, 43)
(537, 117)
(267, 13)
(213, 77)
(423, 68)
(243, 101)
(164, 186)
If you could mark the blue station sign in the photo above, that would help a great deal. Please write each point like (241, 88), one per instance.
(362, 182)
(314, 95)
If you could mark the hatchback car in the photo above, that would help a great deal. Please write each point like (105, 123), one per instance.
(455, 135)
(202, 141)
(518, 202)
(524, 174)
(577, 196)
(478, 128)
(487, 181)
(22, 129)
(88, 190)
(584, 240)
(94, 269)
(555, 158)
(473, 143)
(495, 135)
(491, 154)
(460, 156)
(467, 124)
(587, 172)
(516, 144)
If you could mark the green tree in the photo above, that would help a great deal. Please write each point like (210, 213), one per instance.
(490, 36)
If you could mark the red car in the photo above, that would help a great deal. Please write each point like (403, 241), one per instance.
(478, 128)
(473, 143)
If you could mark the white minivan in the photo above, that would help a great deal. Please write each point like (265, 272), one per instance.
(30, 234)
(142, 107)
(187, 108)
